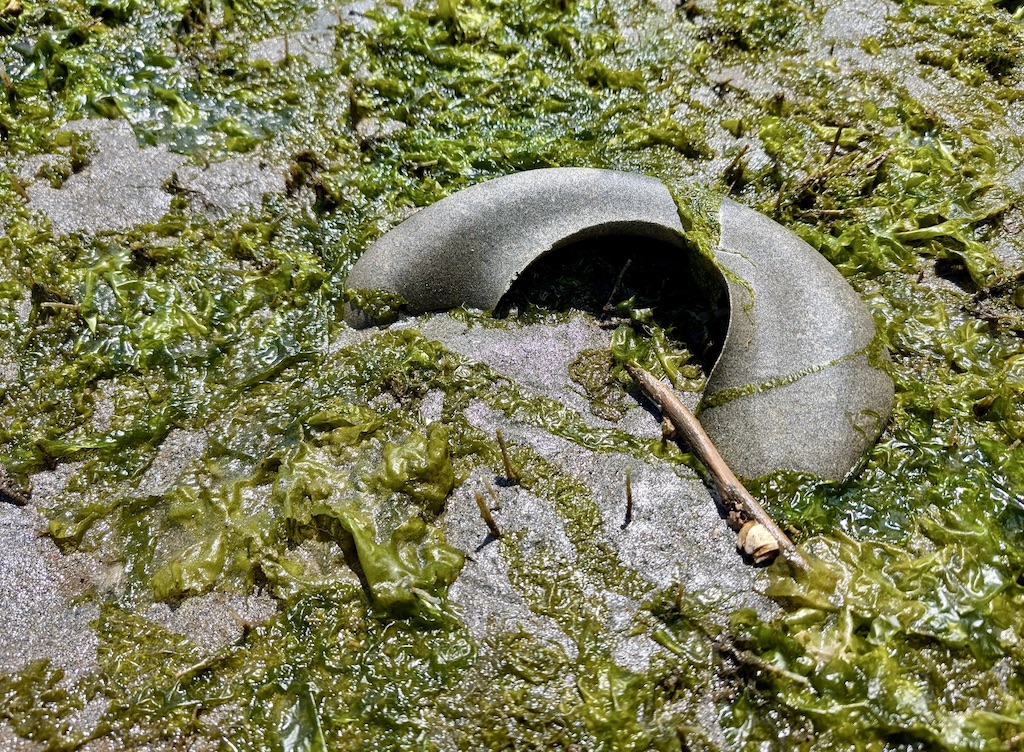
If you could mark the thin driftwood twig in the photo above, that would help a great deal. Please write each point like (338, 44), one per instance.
(732, 492)
(493, 494)
(511, 473)
(485, 513)
(629, 499)
(10, 493)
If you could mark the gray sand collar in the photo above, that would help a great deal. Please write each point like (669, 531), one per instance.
(793, 388)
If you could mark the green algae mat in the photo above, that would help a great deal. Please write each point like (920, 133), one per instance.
(889, 135)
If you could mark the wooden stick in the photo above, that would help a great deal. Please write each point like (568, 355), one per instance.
(835, 144)
(486, 514)
(493, 493)
(629, 499)
(511, 474)
(10, 494)
(729, 487)
(608, 307)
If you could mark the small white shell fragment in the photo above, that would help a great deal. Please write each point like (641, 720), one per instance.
(756, 542)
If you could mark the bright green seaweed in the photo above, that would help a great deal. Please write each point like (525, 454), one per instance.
(318, 482)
